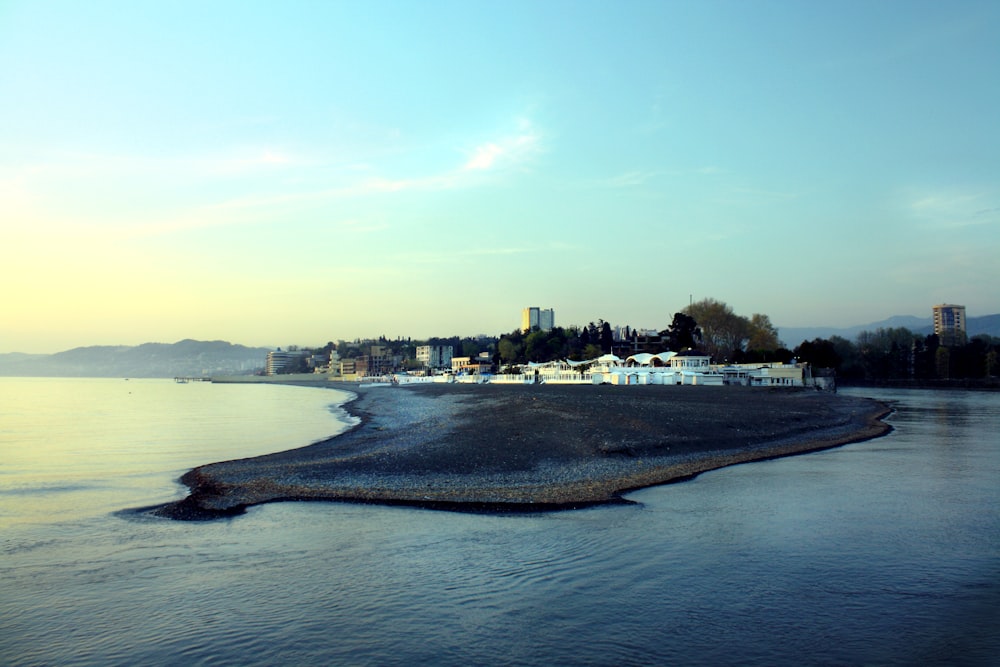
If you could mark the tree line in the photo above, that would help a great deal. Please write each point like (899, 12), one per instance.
(708, 325)
(900, 354)
(713, 327)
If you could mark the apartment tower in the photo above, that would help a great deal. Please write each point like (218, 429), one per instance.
(949, 324)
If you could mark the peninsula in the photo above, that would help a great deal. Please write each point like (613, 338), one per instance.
(534, 447)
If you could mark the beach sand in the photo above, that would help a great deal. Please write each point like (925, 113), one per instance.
(535, 447)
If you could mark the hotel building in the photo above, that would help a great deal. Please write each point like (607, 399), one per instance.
(534, 317)
(278, 361)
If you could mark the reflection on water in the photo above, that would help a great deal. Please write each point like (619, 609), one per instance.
(76, 447)
(883, 552)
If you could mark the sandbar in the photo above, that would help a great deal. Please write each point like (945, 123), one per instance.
(530, 447)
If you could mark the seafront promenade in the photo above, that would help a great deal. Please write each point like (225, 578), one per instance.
(525, 447)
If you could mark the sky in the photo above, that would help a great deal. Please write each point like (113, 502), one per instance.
(299, 172)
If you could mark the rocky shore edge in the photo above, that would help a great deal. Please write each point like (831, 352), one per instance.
(530, 448)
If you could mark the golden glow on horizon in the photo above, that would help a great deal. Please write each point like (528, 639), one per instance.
(220, 192)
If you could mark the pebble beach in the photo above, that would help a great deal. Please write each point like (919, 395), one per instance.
(530, 447)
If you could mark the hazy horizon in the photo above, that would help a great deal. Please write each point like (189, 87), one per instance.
(318, 343)
(268, 174)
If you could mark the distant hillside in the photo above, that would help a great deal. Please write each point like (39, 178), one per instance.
(793, 336)
(184, 358)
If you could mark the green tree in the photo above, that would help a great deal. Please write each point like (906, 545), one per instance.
(682, 333)
(536, 345)
(924, 352)
(511, 348)
(886, 353)
(850, 361)
(574, 344)
(818, 353)
(607, 339)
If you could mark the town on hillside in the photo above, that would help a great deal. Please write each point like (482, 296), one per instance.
(704, 344)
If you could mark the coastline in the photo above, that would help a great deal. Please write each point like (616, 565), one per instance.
(529, 448)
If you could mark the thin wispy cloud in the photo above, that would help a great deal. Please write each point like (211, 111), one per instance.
(630, 179)
(484, 157)
(301, 187)
(508, 151)
(765, 194)
(263, 158)
(637, 177)
(475, 253)
(954, 209)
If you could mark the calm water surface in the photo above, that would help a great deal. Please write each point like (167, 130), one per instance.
(884, 552)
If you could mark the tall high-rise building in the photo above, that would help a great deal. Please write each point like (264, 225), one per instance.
(949, 324)
(542, 318)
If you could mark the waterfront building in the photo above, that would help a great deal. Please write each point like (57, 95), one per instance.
(434, 356)
(471, 365)
(690, 360)
(278, 361)
(541, 318)
(770, 375)
(949, 324)
(374, 365)
(689, 367)
(348, 369)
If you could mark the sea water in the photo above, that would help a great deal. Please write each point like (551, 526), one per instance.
(881, 552)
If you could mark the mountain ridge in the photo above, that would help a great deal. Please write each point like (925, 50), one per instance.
(186, 357)
(194, 358)
(794, 336)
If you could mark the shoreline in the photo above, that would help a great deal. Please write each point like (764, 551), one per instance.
(529, 448)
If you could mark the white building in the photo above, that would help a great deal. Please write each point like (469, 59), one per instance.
(688, 367)
(480, 365)
(768, 374)
(434, 356)
(690, 360)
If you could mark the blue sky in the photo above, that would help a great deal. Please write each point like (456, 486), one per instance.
(278, 173)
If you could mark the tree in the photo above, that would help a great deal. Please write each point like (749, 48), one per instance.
(850, 362)
(992, 363)
(511, 348)
(763, 334)
(535, 345)
(924, 354)
(818, 353)
(942, 360)
(607, 340)
(886, 353)
(723, 331)
(682, 333)
(574, 345)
